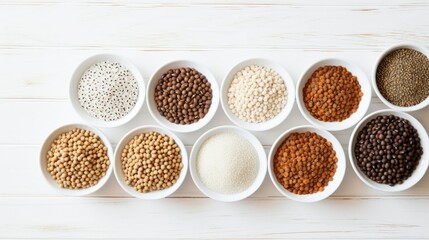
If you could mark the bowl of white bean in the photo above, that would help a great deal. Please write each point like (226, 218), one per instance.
(257, 94)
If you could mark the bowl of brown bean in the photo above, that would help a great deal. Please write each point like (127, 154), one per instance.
(333, 94)
(307, 164)
(182, 96)
(75, 159)
(400, 77)
(389, 150)
(150, 162)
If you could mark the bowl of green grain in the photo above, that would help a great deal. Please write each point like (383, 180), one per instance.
(401, 77)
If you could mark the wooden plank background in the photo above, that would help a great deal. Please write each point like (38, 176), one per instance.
(41, 42)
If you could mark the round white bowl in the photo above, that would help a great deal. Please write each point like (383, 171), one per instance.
(332, 186)
(117, 166)
(47, 145)
(74, 85)
(164, 121)
(228, 197)
(353, 118)
(418, 173)
(290, 87)
(413, 46)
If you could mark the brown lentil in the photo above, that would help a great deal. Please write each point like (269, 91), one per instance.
(388, 149)
(305, 163)
(183, 95)
(77, 159)
(403, 77)
(151, 161)
(332, 94)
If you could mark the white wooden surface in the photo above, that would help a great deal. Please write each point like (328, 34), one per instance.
(42, 41)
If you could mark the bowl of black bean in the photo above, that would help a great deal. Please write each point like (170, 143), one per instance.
(182, 96)
(389, 150)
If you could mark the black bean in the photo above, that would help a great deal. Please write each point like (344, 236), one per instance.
(386, 159)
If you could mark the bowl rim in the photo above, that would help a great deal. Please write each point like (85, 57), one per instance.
(153, 195)
(85, 65)
(177, 127)
(44, 148)
(364, 103)
(423, 138)
(279, 118)
(229, 197)
(339, 173)
(410, 45)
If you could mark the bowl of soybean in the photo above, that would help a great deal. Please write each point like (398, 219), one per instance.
(76, 159)
(182, 96)
(289, 159)
(401, 77)
(325, 97)
(389, 150)
(155, 162)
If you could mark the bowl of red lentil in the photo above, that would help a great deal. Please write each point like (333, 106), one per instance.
(401, 77)
(76, 159)
(307, 164)
(182, 96)
(333, 94)
(150, 162)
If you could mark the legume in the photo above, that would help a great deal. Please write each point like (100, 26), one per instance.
(305, 163)
(257, 94)
(183, 95)
(77, 159)
(332, 94)
(151, 161)
(388, 149)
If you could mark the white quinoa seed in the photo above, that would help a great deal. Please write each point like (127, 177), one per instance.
(227, 163)
(257, 94)
(108, 91)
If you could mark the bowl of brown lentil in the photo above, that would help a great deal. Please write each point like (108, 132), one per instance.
(389, 150)
(75, 159)
(150, 162)
(107, 90)
(307, 164)
(333, 94)
(257, 94)
(182, 96)
(401, 77)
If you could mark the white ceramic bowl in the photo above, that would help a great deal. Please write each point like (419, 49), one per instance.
(74, 84)
(117, 166)
(413, 46)
(228, 197)
(47, 145)
(332, 186)
(290, 86)
(418, 173)
(152, 104)
(363, 105)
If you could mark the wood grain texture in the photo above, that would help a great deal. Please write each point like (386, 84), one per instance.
(240, 26)
(42, 41)
(198, 218)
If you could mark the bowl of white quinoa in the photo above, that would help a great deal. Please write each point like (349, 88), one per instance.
(257, 94)
(107, 90)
